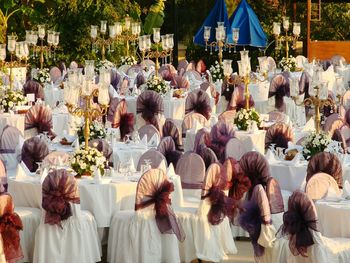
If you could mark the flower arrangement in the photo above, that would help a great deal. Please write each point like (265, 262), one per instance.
(217, 71)
(85, 162)
(97, 131)
(103, 64)
(128, 60)
(157, 84)
(315, 143)
(42, 76)
(245, 118)
(288, 64)
(11, 98)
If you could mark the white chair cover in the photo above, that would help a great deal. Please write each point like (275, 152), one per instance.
(235, 148)
(318, 185)
(11, 142)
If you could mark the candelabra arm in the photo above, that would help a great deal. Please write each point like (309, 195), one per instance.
(220, 44)
(246, 91)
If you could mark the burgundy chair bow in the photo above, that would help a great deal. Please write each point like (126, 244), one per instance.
(59, 189)
(207, 154)
(298, 221)
(198, 101)
(279, 88)
(279, 134)
(10, 225)
(33, 87)
(149, 104)
(170, 129)
(34, 150)
(3, 178)
(40, 117)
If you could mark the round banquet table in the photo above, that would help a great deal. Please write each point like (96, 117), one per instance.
(101, 199)
(124, 152)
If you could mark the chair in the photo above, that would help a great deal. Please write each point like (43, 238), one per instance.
(150, 131)
(11, 225)
(181, 67)
(191, 169)
(11, 142)
(271, 64)
(140, 79)
(339, 137)
(346, 100)
(279, 134)
(113, 103)
(220, 134)
(193, 120)
(198, 101)
(208, 155)
(210, 89)
(328, 163)
(279, 87)
(156, 158)
(300, 61)
(237, 101)
(319, 184)
(180, 82)
(38, 119)
(68, 234)
(167, 148)
(333, 122)
(56, 158)
(235, 149)
(34, 150)
(33, 87)
(277, 116)
(202, 138)
(227, 116)
(150, 105)
(56, 75)
(152, 232)
(102, 146)
(170, 129)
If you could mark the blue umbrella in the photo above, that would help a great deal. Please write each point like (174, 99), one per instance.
(250, 30)
(217, 14)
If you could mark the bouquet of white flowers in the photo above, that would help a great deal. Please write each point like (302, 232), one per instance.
(103, 64)
(85, 162)
(42, 76)
(245, 118)
(157, 84)
(11, 98)
(217, 71)
(288, 64)
(128, 60)
(321, 142)
(97, 131)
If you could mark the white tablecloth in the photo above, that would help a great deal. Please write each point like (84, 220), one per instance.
(124, 152)
(252, 141)
(15, 120)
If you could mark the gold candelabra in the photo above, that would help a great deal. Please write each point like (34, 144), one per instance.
(52, 43)
(156, 54)
(246, 80)
(286, 38)
(88, 112)
(318, 104)
(221, 43)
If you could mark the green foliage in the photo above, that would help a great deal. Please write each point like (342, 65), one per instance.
(155, 17)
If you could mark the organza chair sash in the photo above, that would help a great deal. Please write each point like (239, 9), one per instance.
(9, 139)
(279, 88)
(220, 134)
(39, 116)
(154, 189)
(150, 104)
(34, 150)
(10, 225)
(191, 169)
(59, 189)
(123, 120)
(170, 129)
(279, 134)
(198, 101)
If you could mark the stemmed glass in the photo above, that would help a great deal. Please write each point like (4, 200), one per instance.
(38, 170)
(127, 138)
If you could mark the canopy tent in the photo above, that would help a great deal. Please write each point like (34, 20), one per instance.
(217, 14)
(250, 30)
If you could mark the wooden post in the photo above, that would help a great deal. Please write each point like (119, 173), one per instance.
(308, 27)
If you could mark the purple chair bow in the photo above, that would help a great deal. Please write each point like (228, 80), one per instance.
(279, 88)
(167, 148)
(214, 184)
(170, 129)
(59, 189)
(115, 79)
(140, 79)
(208, 155)
(154, 189)
(33, 87)
(34, 150)
(39, 116)
(180, 82)
(237, 101)
(279, 134)
(149, 104)
(298, 222)
(326, 163)
(198, 101)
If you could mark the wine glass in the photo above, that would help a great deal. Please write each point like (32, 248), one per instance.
(38, 170)
(127, 138)
(148, 165)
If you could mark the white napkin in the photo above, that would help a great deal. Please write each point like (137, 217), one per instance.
(144, 140)
(333, 196)
(170, 171)
(132, 166)
(346, 190)
(76, 144)
(43, 175)
(292, 146)
(25, 169)
(20, 172)
(254, 128)
(270, 157)
(97, 176)
(154, 141)
(310, 125)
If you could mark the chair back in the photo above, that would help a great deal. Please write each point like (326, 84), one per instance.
(149, 130)
(198, 101)
(40, 117)
(279, 87)
(3, 178)
(235, 149)
(11, 141)
(55, 74)
(338, 60)
(279, 134)
(170, 129)
(150, 104)
(304, 83)
(113, 103)
(208, 155)
(191, 169)
(11, 224)
(227, 116)
(319, 184)
(274, 195)
(277, 116)
(339, 137)
(271, 64)
(34, 150)
(201, 138)
(300, 61)
(237, 101)
(190, 120)
(220, 134)
(156, 158)
(168, 149)
(333, 122)
(153, 192)
(59, 190)
(182, 66)
(123, 120)
(33, 87)
(180, 82)
(328, 163)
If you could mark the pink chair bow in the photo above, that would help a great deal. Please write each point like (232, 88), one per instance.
(198, 101)
(10, 225)
(298, 222)
(279, 134)
(34, 150)
(39, 116)
(214, 184)
(153, 188)
(326, 163)
(59, 189)
(33, 87)
(150, 104)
